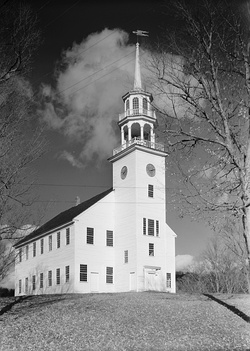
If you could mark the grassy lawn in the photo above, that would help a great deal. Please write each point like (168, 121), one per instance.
(126, 321)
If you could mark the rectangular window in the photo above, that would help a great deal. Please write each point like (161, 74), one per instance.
(109, 275)
(50, 243)
(27, 252)
(41, 280)
(144, 226)
(151, 249)
(168, 280)
(26, 285)
(157, 228)
(90, 235)
(42, 246)
(58, 240)
(34, 282)
(83, 273)
(67, 274)
(151, 227)
(34, 249)
(58, 276)
(126, 256)
(67, 236)
(109, 236)
(20, 253)
(50, 278)
(150, 190)
(20, 286)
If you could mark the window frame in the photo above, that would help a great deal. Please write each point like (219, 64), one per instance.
(126, 256)
(42, 246)
(109, 240)
(151, 227)
(66, 274)
(27, 252)
(58, 240)
(33, 282)
(83, 273)
(41, 280)
(90, 236)
(67, 236)
(26, 285)
(34, 249)
(151, 191)
(20, 286)
(50, 278)
(151, 249)
(50, 243)
(58, 276)
(109, 275)
(20, 254)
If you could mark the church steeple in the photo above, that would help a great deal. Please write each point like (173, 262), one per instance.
(137, 78)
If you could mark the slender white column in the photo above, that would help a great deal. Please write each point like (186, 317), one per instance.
(122, 136)
(142, 136)
(129, 133)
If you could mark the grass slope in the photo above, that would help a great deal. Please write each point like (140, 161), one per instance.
(126, 321)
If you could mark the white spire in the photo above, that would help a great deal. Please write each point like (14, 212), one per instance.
(137, 79)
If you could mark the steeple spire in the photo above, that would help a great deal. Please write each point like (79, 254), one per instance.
(137, 79)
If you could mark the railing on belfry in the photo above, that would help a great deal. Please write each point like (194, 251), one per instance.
(137, 112)
(139, 141)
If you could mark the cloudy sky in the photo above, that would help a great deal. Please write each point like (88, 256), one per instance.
(82, 68)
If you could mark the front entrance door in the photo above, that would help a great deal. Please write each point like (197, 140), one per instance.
(152, 279)
(94, 282)
(132, 281)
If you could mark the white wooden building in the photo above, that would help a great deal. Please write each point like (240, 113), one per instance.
(118, 240)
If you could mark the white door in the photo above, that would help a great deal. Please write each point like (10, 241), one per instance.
(152, 279)
(94, 282)
(132, 281)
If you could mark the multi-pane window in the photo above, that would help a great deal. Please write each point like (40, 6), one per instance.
(168, 280)
(42, 246)
(109, 238)
(50, 243)
(151, 249)
(58, 276)
(144, 226)
(20, 286)
(83, 273)
(127, 105)
(41, 280)
(34, 249)
(150, 227)
(27, 252)
(67, 236)
(58, 237)
(150, 190)
(90, 235)
(145, 103)
(20, 253)
(126, 256)
(109, 275)
(34, 282)
(26, 285)
(67, 274)
(50, 278)
(135, 103)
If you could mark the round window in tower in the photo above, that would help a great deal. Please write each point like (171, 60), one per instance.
(124, 172)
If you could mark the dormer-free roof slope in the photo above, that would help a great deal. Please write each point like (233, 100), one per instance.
(63, 217)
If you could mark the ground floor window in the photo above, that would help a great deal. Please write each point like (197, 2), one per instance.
(67, 274)
(126, 256)
(168, 280)
(83, 273)
(34, 282)
(58, 276)
(109, 275)
(50, 278)
(41, 280)
(20, 286)
(26, 285)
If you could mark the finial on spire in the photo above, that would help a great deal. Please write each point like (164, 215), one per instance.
(137, 79)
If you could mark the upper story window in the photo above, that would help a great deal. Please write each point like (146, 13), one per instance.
(50, 243)
(20, 286)
(34, 249)
(27, 252)
(90, 235)
(145, 104)
(150, 190)
(58, 239)
(135, 103)
(109, 238)
(127, 105)
(42, 246)
(150, 227)
(20, 253)
(67, 236)
(126, 256)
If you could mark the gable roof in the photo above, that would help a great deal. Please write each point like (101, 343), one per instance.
(64, 217)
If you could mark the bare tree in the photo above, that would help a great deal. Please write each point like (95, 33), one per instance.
(20, 142)
(202, 91)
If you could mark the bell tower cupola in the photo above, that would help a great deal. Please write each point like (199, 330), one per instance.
(138, 121)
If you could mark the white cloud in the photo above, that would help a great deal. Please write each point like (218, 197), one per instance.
(183, 262)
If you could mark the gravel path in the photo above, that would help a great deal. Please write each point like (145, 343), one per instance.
(127, 321)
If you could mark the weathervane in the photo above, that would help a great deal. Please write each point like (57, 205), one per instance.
(140, 33)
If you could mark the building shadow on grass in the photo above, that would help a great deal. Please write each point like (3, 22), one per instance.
(234, 309)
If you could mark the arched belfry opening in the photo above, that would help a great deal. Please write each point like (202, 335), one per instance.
(147, 132)
(135, 130)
